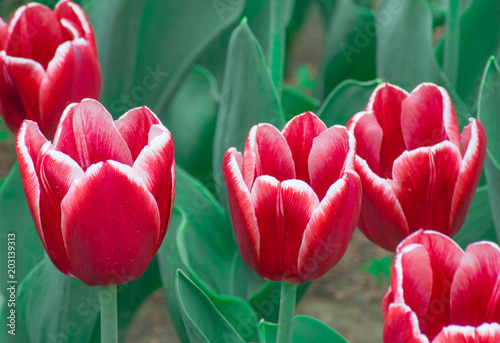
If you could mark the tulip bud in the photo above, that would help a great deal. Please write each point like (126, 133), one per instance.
(48, 60)
(294, 198)
(101, 194)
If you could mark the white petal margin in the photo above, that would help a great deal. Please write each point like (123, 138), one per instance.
(485, 333)
(29, 142)
(371, 101)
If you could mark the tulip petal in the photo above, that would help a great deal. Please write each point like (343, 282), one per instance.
(332, 152)
(368, 135)
(300, 133)
(134, 127)
(110, 225)
(88, 135)
(411, 280)
(445, 256)
(474, 141)
(475, 292)
(155, 166)
(265, 199)
(401, 325)
(428, 117)
(34, 33)
(424, 182)
(57, 172)
(3, 34)
(385, 103)
(486, 333)
(330, 228)
(298, 202)
(29, 143)
(20, 81)
(242, 210)
(73, 74)
(382, 219)
(266, 153)
(68, 10)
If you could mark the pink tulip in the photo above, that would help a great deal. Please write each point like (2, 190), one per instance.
(101, 195)
(417, 170)
(294, 198)
(48, 60)
(440, 294)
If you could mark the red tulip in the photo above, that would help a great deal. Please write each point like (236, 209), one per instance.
(417, 171)
(440, 294)
(101, 195)
(294, 198)
(48, 60)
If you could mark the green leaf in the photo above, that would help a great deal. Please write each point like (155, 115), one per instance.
(191, 119)
(56, 307)
(349, 48)
(347, 99)
(478, 225)
(204, 323)
(248, 98)
(15, 218)
(479, 39)
(146, 47)
(489, 102)
(169, 262)
(305, 330)
(296, 102)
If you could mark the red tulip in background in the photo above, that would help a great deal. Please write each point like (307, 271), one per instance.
(440, 294)
(101, 195)
(417, 170)
(294, 198)
(48, 60)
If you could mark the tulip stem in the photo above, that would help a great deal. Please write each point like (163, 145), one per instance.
(451, 42)
(277, 48)
(287, 312)
(109, 322)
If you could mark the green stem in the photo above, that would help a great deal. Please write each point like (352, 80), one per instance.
(287, 312)
(277, 48)
(109, 323)
(451, 43)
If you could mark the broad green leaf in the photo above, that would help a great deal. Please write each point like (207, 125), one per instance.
(349, 47)
(296, 102)
(15, 218)
(56, 307)
(191, 119)
(488, 114)
(169, 262)
(479, 224)
(479, 39)
(204, 323)
(305, 330)
(347, 99)
(146, 47)
(248, 98)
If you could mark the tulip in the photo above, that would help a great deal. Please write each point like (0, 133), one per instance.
(417, 170)
(101, 194)
(48, 60)
(294, 198)
(441, 294)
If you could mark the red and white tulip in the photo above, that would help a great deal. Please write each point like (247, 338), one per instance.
(294, 198)
(101, 194)
(48, 60)
(417, 170)
(441, 294)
